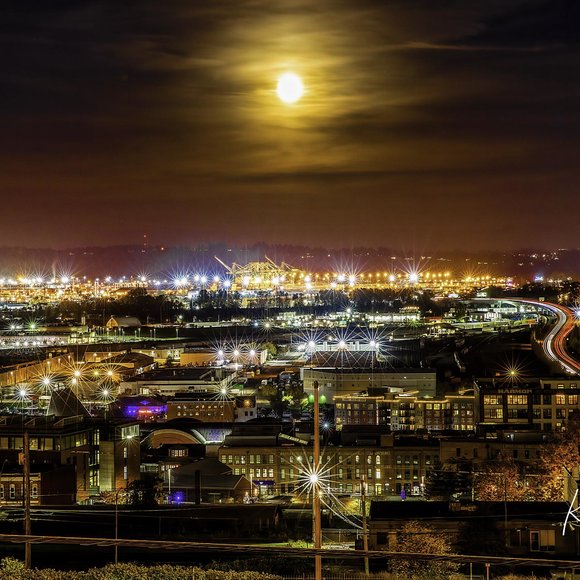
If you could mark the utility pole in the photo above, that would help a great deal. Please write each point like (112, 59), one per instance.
(363, 500)
(316, 524)
(505, 512)
(26, 490)
(116, 525)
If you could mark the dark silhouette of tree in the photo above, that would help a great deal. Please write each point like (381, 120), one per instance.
(417, 537)
(145, 492)
(449, 481)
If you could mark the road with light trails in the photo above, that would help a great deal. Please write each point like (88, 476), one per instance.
(554, 344)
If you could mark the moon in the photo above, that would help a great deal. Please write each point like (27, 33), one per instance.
(290, 88)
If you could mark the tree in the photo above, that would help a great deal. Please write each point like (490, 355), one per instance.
(449, 480)
(420, 538)
(561, 453)
(271, 348)
(145, 492)
(269, 391)
(509, 480)
(501, 480)
(438, 484)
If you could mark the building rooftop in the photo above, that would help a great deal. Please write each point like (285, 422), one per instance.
(136, 358)
(376, 370)
(441, 510)
(178, 374)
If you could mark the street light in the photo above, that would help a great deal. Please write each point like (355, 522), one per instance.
(314, 480)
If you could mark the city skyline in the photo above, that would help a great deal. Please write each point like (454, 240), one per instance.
(439, 127)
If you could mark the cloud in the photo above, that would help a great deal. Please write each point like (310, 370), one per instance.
(534, 24)
(136, 102)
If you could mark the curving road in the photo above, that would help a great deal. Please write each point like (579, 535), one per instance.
(554, 344)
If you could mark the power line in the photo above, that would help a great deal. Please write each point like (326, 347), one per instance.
(289, 552)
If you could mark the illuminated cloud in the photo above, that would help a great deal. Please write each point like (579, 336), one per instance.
(167, 115)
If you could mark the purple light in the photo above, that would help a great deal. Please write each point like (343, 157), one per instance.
(177, 497)
(145, 411)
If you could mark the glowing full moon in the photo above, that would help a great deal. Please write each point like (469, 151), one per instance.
(290, 88)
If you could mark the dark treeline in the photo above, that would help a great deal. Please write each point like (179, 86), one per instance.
(221, 305)
(207, 305)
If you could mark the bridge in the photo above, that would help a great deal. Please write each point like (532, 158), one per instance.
(554, 344)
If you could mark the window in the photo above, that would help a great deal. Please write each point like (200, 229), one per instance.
(34, 491)
(493, 413)
(12, 491)
(492, 399)
(517, 413)
(517, 399)
(542, 540)
(560, 399)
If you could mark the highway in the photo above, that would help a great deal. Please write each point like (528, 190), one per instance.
(554, 344)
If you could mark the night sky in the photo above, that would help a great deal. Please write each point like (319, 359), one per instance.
(436, 124)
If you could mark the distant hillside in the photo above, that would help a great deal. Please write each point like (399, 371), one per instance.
(166, 261)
